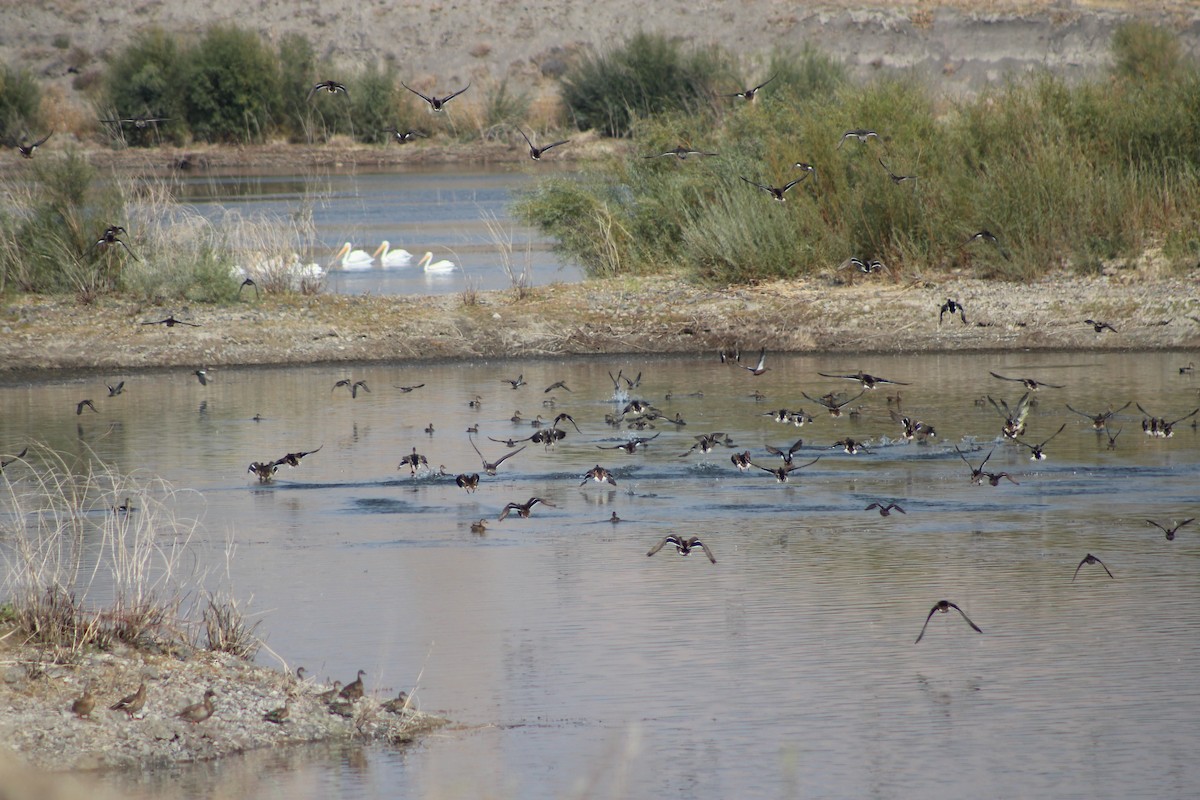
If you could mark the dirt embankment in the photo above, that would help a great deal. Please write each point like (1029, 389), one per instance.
(627, 316)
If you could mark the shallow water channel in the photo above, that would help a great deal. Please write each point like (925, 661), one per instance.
(443, 209)
(573, 665)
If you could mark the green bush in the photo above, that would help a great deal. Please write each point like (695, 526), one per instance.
(1145, 53)
(374, 104)
(297, 74)
(1065, 175)
(51, 226)
(649, 74)
(20, 101)
(232, 88)
(146, 80)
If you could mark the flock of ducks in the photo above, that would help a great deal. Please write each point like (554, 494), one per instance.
(338, 700)
(634, 416)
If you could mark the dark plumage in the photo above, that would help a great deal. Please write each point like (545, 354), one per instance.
(683, 546)
(944, 607)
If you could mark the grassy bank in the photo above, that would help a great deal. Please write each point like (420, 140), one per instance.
(1065, 176)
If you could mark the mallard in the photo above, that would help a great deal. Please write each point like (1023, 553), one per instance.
(536, 152)
(750, 94)
(353, 690)
(861, 134)
(279, 715)
(83, 705)
(1090, 559)
(867, 381)
(198, 712)
(683, 546)
(397, 705)
(598, 474)
(333, 87)
(523, 509)
(131, 704)
(776, 192)
(27, 150)
(436, 103)
(944, 607)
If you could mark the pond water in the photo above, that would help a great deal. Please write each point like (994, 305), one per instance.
(443, 209)
(573, 665)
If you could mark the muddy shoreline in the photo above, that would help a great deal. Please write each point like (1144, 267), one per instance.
(627, 316)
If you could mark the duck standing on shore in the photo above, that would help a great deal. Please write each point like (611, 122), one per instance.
(198, 712)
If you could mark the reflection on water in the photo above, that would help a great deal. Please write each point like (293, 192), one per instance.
(575, 664)
(442, 209)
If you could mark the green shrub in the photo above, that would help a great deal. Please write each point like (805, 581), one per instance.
(297, 74)
(20, 101)
(51, 226)
(232, 88)
(502, 110)
(649, 74)
(373, 105)
(147, 80)
(1067, 176)
(1144, 52)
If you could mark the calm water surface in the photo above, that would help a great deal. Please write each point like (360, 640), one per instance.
(577, 666)
(439, 208)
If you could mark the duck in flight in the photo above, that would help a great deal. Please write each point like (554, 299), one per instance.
(113, 391)
(137, 122)
(468, 482)
(788, 454)
(776, 192)
(17, 457)
(436, 103)
(112, 236)
(989, 237)
(1170, 532)
(403, 137)
(683, 546)
(598, 474)
(632, 445)
(82, 404)
(760, 367)
(1029, 383)
(977, 473)
(749, 95)
(523, 509)
(414, 461)
(831, 405)
(1014, 422)
(680, 152)
(867, 381)
(781, 473)
(171, 322)
(491, 467)
(536, 152)
(516, 383)
(1037, 452)
(1100, 421)
(27, 150)
(944, 607)
(865, 267)
(952, 307)
(861, 134)
(333, 87)
(1100, 327)
(352, 386)
(1090, 559)
(897, 179)
(885, 510)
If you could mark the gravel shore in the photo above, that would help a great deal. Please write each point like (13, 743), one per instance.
(617, 316)
(38, 723)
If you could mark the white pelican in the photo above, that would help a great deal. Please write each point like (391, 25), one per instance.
(392, 258)
(354, 259)
(435, 266)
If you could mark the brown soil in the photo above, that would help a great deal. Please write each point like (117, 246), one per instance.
(618, 316)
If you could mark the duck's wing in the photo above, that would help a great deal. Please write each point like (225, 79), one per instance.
(968, 619)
